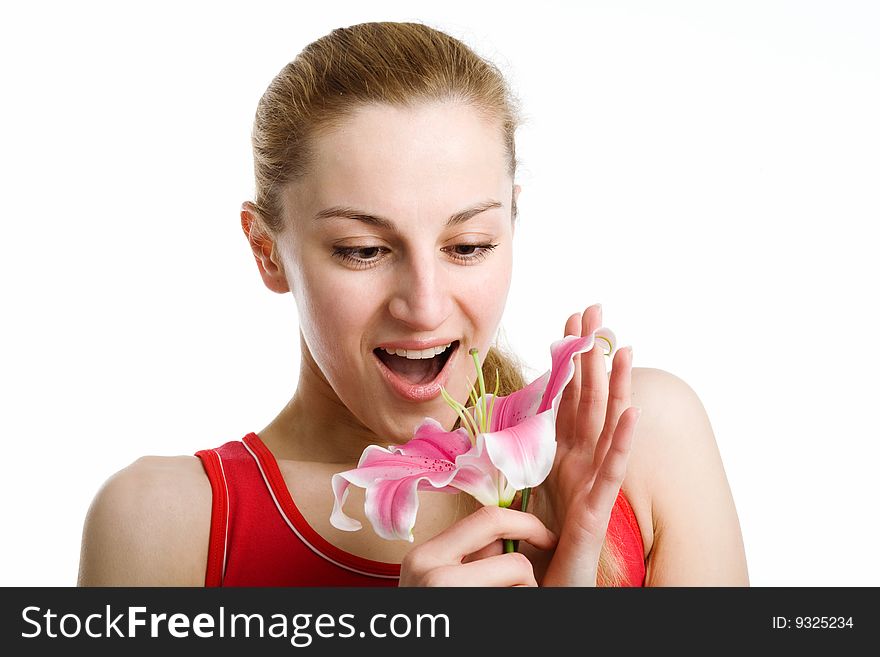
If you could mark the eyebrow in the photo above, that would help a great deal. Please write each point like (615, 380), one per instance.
(344, 212)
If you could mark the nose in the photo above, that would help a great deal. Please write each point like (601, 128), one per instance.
(422, 295)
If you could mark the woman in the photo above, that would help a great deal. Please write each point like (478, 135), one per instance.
(386, 204)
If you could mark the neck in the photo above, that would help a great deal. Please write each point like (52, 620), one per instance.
(315, 425)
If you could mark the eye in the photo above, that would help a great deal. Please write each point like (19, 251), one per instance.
(471, 253)
(360, 257)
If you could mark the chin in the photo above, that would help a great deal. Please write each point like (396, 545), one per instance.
(404, 426)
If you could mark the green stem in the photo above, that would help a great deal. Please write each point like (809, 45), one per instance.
(525, 499)
(509, 544)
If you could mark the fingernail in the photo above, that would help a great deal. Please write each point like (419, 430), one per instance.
(638, 412)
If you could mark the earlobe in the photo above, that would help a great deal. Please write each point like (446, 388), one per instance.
(263, 247)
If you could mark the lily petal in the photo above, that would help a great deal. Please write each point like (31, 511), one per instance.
(393, 476)
(562, 353)
(338, 517)
(478, 477)
(517, 406)
(522, 443)
(391, 505)
(539, 394)
(432, 441)
(524, 453)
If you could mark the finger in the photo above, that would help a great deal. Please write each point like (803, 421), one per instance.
(594, 384)
(612, 469)
(509, 569)
(492, 550)
(567, 412)
(484, 526)
(619, 398)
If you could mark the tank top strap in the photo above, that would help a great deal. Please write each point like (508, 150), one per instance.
(258, 535)
(234, 476)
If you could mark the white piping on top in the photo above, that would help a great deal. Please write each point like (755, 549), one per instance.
(300, 536)
(226, 528)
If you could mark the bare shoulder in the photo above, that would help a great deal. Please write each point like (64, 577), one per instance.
(680, 483)
(148, 525)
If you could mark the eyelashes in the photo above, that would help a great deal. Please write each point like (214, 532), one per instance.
(363, 257)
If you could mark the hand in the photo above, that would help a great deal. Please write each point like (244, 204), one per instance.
(594, 433)
(470, 553)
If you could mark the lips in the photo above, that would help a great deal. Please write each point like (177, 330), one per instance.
(416, 379)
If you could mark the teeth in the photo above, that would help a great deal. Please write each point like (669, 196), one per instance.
(417, 354)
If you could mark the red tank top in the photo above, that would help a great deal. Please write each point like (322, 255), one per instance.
(259, 537)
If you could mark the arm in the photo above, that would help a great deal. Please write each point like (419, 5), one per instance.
(148, 526)
(697, 537)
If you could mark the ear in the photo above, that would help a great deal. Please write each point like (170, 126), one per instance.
(513, 210)
(263, 247)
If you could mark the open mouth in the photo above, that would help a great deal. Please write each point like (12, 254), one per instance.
(417, 368)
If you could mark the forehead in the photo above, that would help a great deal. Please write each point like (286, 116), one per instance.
(386, 158)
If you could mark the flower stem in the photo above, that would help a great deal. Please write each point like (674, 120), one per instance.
(509, 544)
(525, 499)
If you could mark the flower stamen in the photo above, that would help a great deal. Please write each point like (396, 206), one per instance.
(466, 420)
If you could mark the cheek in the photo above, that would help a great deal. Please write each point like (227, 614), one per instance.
(497, 285)
(333, 318)
(486, 306)
(490, 303)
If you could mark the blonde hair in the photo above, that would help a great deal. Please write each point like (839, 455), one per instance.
(399, 64)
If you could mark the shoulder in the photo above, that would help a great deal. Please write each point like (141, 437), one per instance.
(680, 479)
(674, 435)
(148, 525)
(673, 412)
(674, 426)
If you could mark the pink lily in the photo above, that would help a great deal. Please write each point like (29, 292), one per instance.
(505, 444)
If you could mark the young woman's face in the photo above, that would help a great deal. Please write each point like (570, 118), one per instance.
(400, 239)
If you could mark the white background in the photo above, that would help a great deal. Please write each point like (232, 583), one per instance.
(708, 171)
